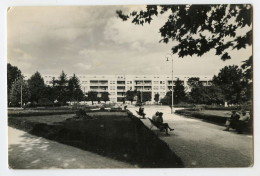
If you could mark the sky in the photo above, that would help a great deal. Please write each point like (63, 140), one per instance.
(93, 40)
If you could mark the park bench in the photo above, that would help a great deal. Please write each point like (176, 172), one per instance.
(142, 115)
(153, 123)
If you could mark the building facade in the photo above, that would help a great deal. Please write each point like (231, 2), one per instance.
(118, 85)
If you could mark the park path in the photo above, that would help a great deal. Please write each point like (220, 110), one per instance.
(31, 152)
(202, 144)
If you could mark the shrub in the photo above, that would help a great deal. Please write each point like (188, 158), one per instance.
(45, 102)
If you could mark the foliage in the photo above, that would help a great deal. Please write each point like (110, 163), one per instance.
(15, 92)
(74, 91)
(92, 96)
(130, 95)
(247, 68)
(13, 73)
(36, 87)
(45, 102)
(105, 96)
(144, 96)
(156, 97)
(214, 23)
(193, 82)
(234, 87)
(61, 86)
(179, 94)
(206, 95)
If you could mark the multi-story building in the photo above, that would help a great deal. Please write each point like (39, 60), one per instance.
(117, 85)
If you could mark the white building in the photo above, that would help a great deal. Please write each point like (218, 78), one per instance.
(117, 85)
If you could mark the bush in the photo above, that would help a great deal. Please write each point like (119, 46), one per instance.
(197, 114)
(45, 102)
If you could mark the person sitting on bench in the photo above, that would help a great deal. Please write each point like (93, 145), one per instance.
(141, 112)
(158, 119)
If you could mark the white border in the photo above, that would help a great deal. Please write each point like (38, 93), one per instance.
(115, 172)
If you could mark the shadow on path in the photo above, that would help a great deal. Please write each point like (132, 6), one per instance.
(30, 152)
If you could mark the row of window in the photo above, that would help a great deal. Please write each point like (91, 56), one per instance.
(157, 87)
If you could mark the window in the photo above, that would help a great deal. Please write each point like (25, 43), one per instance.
(112, 87)
(155, 87)
(162, 82)
(162, 87)
(156, 82)
(112, 93)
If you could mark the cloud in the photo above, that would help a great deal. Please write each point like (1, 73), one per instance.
(87, 52)
(83, 66)
(92, 40)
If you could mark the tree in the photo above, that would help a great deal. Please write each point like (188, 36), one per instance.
(179, 93)
(15, 92)
(62, 88)
(206, 95)
(75, 93)
(156, 98)
(248, 76)
(92, 96)
(197, 29)
(193, 82)
(144, 96)
(130, 95)
(36, 87)
(50, 92)
(105, 96)
(230, 80)
(13, 73)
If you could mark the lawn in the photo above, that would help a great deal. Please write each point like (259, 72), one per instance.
(37, 112)
(221, 113)
(216, 116)
(119, 135)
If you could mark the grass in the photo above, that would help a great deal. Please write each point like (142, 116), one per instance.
(221, 113)
(216, 116)
(119, 135)
(37, 112)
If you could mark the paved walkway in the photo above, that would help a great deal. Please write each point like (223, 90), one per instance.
(202, 144)
(31, 152)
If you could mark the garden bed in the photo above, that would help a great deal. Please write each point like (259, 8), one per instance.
(215, 116)
(119, 135)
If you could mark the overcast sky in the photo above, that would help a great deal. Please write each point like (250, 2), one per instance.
(92, 40)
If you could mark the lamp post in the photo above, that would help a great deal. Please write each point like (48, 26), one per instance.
(172, 80)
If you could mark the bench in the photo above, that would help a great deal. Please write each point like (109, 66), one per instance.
(143, 115)
(153, 123)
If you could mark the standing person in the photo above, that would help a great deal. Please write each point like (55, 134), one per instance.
(232, 121)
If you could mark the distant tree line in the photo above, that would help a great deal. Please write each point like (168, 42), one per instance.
(232, 85)
(35, 92)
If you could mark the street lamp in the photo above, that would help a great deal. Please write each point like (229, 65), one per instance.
(172, 80)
